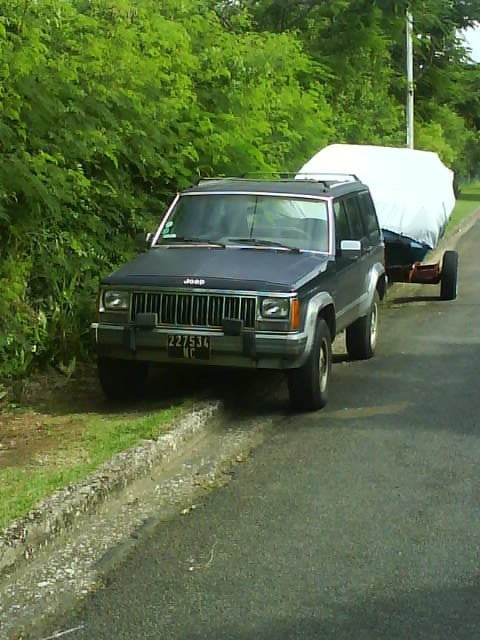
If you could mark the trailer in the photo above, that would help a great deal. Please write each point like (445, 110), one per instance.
(413, 193)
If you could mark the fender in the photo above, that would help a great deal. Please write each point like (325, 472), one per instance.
(374, 275)
(315, 305)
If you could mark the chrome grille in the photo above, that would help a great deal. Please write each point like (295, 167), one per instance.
(195, 309)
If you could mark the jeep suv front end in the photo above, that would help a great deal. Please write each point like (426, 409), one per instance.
(198, 326)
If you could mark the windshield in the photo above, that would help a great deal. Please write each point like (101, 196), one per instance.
(292, 222)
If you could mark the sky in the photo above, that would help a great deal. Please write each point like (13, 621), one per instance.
(472, 37)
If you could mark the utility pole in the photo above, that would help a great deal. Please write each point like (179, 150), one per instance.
(410, 85)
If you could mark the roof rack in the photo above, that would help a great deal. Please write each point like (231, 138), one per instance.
(253, 175)
(329, 176)
(325, 178)
(326, 184)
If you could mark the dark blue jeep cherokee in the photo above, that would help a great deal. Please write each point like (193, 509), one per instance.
(248, 273)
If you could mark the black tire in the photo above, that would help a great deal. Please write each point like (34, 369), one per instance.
(308, 385)
(449, 276)
(121, 380)
(361, 336)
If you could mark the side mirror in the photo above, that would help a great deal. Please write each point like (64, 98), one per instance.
(143, 240)
(351, 249)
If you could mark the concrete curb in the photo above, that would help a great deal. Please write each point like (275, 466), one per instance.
(22, 539)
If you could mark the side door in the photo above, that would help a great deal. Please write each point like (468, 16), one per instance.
(344, 289)
(351, 271)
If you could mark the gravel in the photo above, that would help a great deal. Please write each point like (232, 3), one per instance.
(22, 540)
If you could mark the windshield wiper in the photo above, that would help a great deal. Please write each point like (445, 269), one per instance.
(257, 242)
(187, 240)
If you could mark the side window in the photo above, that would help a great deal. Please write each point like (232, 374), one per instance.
(342, 228)
(354, 218)
(369, 217)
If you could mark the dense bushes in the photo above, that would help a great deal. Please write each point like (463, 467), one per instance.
(106, 108)
(104, 114)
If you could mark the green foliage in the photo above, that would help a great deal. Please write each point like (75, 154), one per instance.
(107, 107)
(76, 455)
(22, 327)
(431, 137)
(467, 204)
(447, 134)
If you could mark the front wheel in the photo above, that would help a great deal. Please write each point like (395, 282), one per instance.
(121, 379)
(361, 336)
(308, 385)
(449, 276)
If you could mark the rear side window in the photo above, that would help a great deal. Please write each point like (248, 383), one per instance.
(369, 217)
(342, 228)
(355, 218)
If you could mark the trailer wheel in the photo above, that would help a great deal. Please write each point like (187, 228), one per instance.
(449, 276)
(361, 336)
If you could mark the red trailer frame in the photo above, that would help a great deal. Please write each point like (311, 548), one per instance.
(445, 273)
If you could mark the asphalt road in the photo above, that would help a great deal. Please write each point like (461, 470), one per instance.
(359, 521)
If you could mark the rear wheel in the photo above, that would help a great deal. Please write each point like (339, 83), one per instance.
(449, 276)
(121, 379)
(361, 336)
(308, 385)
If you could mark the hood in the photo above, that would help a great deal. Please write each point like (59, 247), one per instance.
(220, 268)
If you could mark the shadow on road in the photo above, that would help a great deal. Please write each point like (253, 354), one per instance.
(406, 383)
(243, 392)
(416, 298)
(444, 614)
(408, 391)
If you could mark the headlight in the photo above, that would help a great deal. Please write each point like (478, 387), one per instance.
(275, 308)
(116, 300)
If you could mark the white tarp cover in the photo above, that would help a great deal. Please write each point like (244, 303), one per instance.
(412, 190)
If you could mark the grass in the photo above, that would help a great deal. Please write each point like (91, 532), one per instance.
(22, 487)
(467, 204)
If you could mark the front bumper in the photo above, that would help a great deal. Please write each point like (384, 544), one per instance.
(248, 350)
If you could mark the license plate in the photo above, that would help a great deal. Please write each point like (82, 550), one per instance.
(188, 347)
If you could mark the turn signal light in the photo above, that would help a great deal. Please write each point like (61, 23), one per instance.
(295, 315)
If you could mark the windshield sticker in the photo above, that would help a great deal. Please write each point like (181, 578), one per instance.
(166, 230)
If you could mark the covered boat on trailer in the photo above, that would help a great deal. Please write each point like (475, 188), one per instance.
(414, 197)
